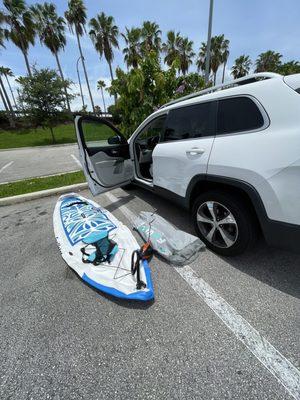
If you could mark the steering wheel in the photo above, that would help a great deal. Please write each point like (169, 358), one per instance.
(152, 141)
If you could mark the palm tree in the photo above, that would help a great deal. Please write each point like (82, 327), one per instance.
(201, 59)
(224, 54)
(104, 35)
(9, 115)
(7, 103)
(2, 37)
(101, 85)
(171, 47)
(76, 18)
(51, 31)
(21, 27)
(289, 68)
(4, 102)
(2, 30)
(241, 67)
(6, 72)
(268, 61)
(186, 54)
(132, 53)
(217, 56)
(151, 37)
(7, 100)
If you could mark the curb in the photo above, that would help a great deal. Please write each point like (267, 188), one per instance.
(47, 146)
(6, 201)
(41, 176)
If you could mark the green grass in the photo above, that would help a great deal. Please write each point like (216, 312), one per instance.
(64, 133)
(36, 184)
(96, 132)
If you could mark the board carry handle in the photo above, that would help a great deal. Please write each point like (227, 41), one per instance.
(136, 259)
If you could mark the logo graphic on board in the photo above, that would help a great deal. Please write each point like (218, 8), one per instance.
(81, 219)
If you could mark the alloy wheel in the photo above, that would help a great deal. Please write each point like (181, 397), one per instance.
(217, 224)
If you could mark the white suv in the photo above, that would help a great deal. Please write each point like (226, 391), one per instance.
(230, 154)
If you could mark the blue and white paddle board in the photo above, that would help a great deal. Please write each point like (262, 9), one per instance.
(74, 219)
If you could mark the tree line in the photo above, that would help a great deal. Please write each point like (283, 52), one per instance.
(22, 25)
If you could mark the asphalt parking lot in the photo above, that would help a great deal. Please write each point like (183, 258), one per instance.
(30, 162)
(222, 329)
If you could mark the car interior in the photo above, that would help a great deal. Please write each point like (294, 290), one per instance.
(144, 145)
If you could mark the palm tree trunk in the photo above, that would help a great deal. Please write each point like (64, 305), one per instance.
(7, 101)
(11, 120)
(86, 77)
(24, 51)
(63, 79)
(12, 93)
(4, 101)
(6, 96)
(223, 76)
(110, 70)
(103, 100)
(112, 78)
(27, 63)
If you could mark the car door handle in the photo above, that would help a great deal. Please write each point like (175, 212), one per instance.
(114, 152)
(194, 151)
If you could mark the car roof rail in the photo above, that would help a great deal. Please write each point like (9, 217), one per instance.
(236, 82)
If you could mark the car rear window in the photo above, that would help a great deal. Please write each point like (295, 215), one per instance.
(293, 81)
(238, 114)
(190, 122)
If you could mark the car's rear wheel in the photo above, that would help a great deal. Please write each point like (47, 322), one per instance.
(224, 223)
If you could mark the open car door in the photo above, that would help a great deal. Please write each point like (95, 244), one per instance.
(104, 154)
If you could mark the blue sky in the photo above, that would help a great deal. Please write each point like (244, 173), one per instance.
(252, 26)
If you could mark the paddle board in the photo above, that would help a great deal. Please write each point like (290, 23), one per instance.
(75, 220)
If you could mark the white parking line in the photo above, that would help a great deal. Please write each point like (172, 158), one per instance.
(275, 362)
(285, 372)
(125, 210)
(76, 160)
(6, 166)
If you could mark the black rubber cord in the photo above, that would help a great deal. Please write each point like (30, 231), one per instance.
(136, 259)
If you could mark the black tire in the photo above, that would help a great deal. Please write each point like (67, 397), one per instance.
(244, 235)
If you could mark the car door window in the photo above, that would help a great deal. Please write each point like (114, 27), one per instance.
(99, 134)
(153, 130)
(190, 122)
(238, 114)
(145, 143)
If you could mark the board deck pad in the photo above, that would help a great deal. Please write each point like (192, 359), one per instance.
(74, 219)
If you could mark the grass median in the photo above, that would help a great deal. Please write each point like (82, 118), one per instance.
(43, 183)
(64, 133)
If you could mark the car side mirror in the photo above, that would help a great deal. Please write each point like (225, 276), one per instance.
(114, 140)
